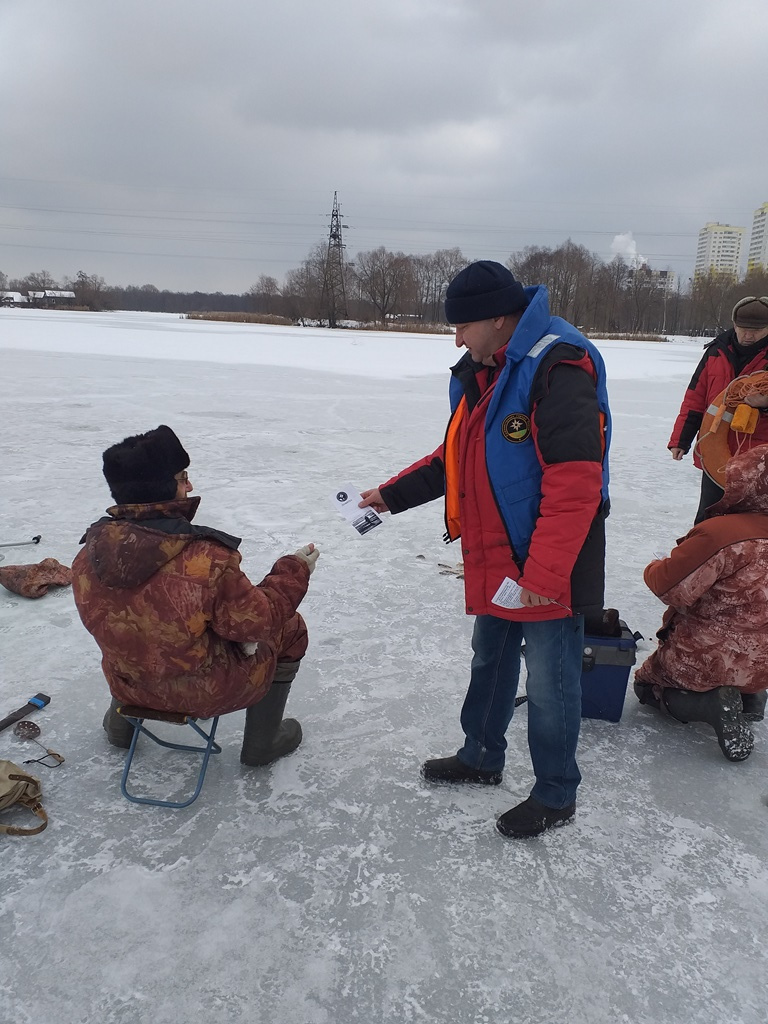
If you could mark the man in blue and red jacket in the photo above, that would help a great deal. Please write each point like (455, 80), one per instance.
(524, 473)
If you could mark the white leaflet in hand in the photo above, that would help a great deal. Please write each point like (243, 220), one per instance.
(661, 554)
(346, 500)
(508, 594)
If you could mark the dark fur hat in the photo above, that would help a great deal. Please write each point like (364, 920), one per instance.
(142, 468)
(482, 291)
(751, 312)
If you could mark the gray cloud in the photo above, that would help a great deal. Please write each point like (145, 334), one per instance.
(194, 145)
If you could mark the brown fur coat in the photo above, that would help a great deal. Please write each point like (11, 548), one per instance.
(715, 583)
(168, 605)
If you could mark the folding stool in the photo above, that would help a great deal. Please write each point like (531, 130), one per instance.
(137, 715)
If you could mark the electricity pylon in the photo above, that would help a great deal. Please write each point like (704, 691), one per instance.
(334, 299)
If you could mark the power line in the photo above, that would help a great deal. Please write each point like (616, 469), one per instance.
(362, 197)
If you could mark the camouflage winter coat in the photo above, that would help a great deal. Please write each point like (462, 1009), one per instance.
(168, 604)
(716, 585)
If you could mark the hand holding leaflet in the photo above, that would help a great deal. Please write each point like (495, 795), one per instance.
(508, 594)
(346, 500)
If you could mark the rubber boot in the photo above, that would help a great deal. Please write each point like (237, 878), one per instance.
(119, 730)
(267, 735)
(753, 705)
(644, 693)
(720, 708)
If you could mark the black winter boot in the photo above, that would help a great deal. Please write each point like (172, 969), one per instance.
(267, 735)
(451, 769)
(753, 706)
(119, 730)
(720, 708)
(531, 818)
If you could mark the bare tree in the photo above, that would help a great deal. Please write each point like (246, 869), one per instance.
(640, 289)
(431, 275)
(39, 281)
(713, 296)
(613, 280)
(532, 265)
(303, 290)
(264, 294)
(90, 290)
(582, 289)
(755, 283)
(448, 263)
(426, 285)
(384, 278)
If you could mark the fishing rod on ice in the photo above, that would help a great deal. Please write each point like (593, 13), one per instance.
(22, 543)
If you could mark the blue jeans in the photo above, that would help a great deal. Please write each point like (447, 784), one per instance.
(553, 653)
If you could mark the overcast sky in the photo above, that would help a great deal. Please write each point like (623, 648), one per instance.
(198, 145)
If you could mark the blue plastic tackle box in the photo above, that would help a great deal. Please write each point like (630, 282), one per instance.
(605, 669)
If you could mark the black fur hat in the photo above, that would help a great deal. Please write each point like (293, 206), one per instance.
(142, 468)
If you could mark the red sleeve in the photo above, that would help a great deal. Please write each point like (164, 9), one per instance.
(693, 407)
(570, 498)
(567, 430)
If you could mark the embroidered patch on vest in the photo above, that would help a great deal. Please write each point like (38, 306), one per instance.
(516, 427)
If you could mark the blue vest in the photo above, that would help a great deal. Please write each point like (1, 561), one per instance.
(514, 469)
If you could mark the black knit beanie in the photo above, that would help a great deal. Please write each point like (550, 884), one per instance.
(142, 468)
(481, 291)
(751, 312)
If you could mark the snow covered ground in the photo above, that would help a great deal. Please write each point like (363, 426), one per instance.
(335, 887)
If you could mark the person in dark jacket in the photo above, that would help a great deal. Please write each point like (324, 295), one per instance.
(181, 628)
(741, 350)
(524, 473)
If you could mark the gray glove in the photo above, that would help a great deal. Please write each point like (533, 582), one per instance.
(308, 554)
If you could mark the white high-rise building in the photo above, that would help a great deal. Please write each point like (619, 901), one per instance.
(719, 249)
(757, 258)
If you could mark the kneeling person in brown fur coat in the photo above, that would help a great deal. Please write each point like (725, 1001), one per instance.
(710, 665)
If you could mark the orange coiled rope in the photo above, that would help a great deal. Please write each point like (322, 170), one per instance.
(729, 412)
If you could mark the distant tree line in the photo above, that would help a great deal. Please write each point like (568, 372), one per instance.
(629, 297)
(622, 296)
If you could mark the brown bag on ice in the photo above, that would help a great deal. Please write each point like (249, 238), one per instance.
(16, 787)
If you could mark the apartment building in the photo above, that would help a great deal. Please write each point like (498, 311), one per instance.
(663, 280)
(757, 257)
(719, 249)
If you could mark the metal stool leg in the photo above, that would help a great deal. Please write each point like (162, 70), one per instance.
(210, 747)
